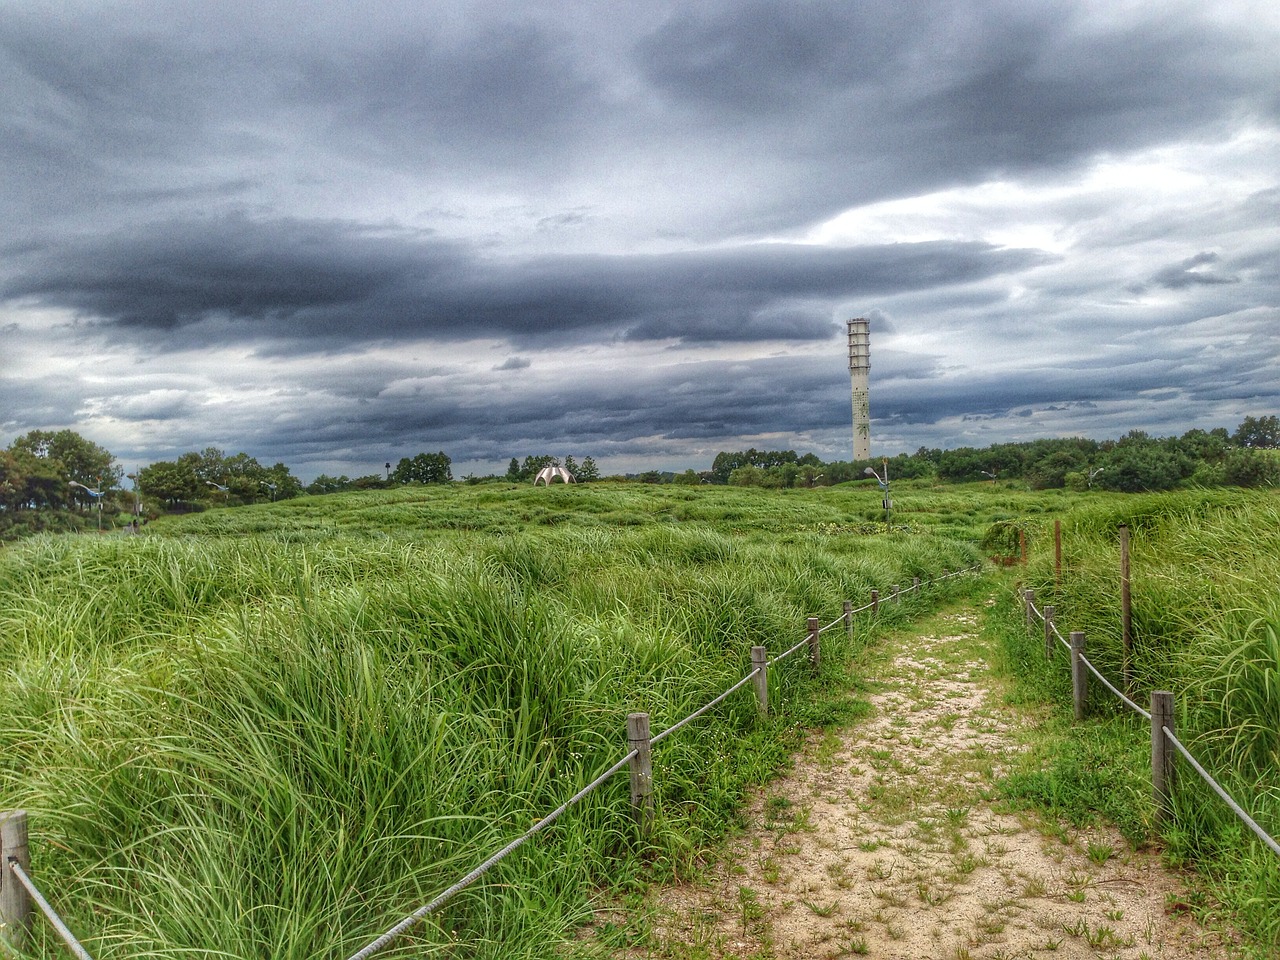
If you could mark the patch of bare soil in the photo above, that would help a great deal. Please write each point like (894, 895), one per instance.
(884, 842)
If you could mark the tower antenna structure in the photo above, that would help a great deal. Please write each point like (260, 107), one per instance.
(859, 377)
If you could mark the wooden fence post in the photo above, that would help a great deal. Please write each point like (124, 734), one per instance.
(915, 584)
(875, 602)
(1079, 674)
(1048, 631)
(15, 902)
(1162, 755)
(1022, 545)
(897, 593)
(1126, 609)
(1028, 601)
(641, 771)
(760, 663)
(815, 651)
(848, 618)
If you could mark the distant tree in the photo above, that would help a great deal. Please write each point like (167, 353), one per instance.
(326, 484)
(1251, 468)
(688, 478)
(587, 471)
(513, 471)
(171, 482)
(423, 468)
(1258, 433)
(72, 457)
(571, 465)
(532, 465)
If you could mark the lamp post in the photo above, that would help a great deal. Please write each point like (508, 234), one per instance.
(992, 474)
(137, 501)
(96, 494)
(1094, 473)
(272, 488)
(884, 486)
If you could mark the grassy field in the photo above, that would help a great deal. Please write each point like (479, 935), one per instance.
(1206, 625)
(272, 731)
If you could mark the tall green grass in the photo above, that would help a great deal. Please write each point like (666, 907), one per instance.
(273, 732)
(1206, 624)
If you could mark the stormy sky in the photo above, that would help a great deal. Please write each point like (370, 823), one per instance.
(336, 234)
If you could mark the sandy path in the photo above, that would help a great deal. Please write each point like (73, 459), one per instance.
(884, 842)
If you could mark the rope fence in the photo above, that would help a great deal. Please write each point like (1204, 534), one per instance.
(15, 899)
(1160, 716)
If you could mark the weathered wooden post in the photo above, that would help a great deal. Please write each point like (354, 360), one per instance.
(848, 618)
(1079, 674)
(641, 771)
(760, 664)
(897, 593)
(1028, 604)
(815, 650)
(1162, 755)
(1048, 631)
(1022, 545)
(15, 902)
(1126, 608)
(875, 602)
(915, 584)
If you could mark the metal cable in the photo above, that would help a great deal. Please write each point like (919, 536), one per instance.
(484, 868)
(699, 712)
(1107, 683)
(787, 653)
(1054, 627)
(839, 619)
(16, 869)
(1261, 834)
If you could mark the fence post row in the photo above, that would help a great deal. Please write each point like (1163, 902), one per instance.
(815, 646)
(1048, 631)
(1162, 754)
(641, 769)
(760, 664)
(1079, 674)
(15, 902)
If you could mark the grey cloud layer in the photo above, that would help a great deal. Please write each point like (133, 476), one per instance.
(323, 283)
(185, 176)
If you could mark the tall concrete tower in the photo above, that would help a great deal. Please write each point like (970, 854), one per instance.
(859, 370)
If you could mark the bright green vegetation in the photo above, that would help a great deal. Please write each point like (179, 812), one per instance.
(274, 731)
(1206, 625)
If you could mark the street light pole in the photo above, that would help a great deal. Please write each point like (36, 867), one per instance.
(96, 494)
(884, 486)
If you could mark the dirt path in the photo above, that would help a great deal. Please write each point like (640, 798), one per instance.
(884, 842)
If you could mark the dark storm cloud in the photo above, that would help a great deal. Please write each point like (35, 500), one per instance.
(319, 283)
(1193, 272)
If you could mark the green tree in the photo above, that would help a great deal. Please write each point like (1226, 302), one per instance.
(171, 482)
(1258, 433)
(423, 468)
(587, 471)
(72, 456)
(513, 471)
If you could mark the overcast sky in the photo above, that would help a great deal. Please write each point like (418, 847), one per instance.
(338, 234)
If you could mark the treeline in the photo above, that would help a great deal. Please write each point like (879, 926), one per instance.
(528, 469)
(1136, 462)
